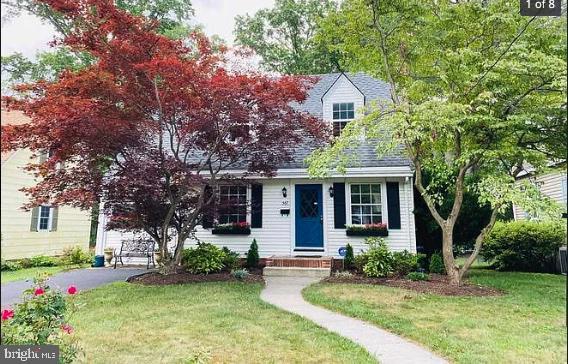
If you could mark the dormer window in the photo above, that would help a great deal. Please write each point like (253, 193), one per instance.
(343, 113)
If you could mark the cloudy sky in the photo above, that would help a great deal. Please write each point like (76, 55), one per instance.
(26, 34)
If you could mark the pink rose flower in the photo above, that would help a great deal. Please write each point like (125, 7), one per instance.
(72, 289)
(7, 314)
(67, 328)
(39, 291)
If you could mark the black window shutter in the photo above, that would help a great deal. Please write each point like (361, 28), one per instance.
(393, 205)
(339, 205)
(54, 218)
(256, 206)
(35, 217)
(209, 210)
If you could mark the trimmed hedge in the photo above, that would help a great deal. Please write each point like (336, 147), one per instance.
(526, 246)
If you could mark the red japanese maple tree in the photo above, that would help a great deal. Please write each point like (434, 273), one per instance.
(153, 126)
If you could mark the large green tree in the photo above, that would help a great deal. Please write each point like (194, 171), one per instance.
(172, 15)
(283, 36)
(476, 89)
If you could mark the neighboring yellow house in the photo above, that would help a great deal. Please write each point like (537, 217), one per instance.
(45, 230)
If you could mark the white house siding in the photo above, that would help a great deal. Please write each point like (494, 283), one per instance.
(342, 91)
(277, 235)
(552, 185)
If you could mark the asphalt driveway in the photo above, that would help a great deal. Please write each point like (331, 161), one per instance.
(83, 279)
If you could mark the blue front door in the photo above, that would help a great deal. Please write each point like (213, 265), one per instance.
(309, 217)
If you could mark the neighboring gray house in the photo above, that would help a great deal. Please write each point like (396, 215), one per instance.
(551, 184)
(296, 215)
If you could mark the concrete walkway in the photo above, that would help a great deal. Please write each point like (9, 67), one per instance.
(285, 293)
(83, 279)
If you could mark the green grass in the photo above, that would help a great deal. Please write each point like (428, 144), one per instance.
(28, 273)
(526, 325)
(127, 323)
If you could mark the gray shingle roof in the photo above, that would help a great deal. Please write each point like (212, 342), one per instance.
(373, 90)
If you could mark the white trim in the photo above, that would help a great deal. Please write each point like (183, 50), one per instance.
(384, 212)
(398, 171)
(49, 219)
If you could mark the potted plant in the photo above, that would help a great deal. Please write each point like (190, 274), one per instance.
(109, 254)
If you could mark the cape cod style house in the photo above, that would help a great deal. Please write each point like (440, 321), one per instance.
(293, 215)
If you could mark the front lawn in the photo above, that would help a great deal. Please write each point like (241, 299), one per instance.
(526, 325)
(29, 273)
(129, 323)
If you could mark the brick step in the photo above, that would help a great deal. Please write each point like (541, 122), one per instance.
(299, 262)
(296, 272)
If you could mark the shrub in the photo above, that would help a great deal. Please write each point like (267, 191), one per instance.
(231, 259)
(404, 262)
(379, 258)
(422, 261)
(528, 246)
(25, 263)
(10, 265)
(41, 319)
(349, 259)
(360, 261)
(240, 274)
(437, 264)
(252, 255)
(204, 259)
(418, 276)
(75, 255)
(43, 261)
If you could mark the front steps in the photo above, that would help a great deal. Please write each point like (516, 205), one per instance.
(316, 267)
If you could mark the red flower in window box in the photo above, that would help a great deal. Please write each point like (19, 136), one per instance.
(235, 228)
(378, 229)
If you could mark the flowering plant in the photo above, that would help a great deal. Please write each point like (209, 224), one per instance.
(42, 318)
(377, 229)
(242, 228)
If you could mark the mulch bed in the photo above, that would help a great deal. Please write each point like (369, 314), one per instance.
(438, 284)
(158, 279)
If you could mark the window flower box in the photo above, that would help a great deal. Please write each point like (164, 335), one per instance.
(367, 230)
(236, 228)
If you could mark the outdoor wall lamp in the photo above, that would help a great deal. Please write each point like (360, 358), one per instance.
(284, 192)
(331, 192)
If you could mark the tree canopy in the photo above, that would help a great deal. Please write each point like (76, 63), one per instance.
(152, 126)
(476, 89)
(283, 37)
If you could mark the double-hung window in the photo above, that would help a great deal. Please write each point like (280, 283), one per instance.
(44, 218)
(342, 114)
(366, 204)
(232, 204)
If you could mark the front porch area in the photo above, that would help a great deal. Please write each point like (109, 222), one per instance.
(298, 266)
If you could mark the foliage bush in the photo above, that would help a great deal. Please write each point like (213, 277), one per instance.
(437, 264)
(379, 259)
(422, 260)
(528, 246)
(252, 255)
(10, 265)
(42, 319)
(231, 259)
(204, 259)
(360, 261)
(418, 276)
(76, 255)
(43, 261)
(25, 263)
(240, 274)
(404, 262)
(349, 259)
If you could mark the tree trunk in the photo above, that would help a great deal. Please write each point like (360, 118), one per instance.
(448, 253)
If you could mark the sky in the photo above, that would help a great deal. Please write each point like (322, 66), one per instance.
(27, 35)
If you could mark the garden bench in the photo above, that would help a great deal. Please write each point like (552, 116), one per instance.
(136, 247)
